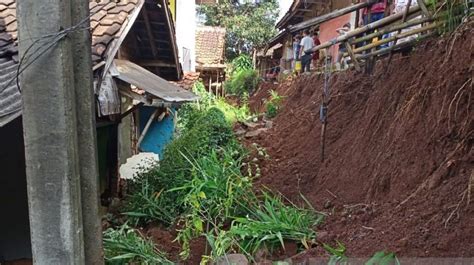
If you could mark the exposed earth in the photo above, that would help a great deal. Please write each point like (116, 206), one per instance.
(399, 165)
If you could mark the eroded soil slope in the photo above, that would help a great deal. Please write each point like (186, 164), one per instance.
(399, 148)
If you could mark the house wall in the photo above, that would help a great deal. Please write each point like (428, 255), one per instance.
(14, 222)
(186, 33)
(327, 31)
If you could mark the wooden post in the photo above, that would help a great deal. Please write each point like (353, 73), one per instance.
(329, 16)
(147, 127)
(353, 58)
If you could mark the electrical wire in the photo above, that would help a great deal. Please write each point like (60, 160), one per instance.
(52, 39)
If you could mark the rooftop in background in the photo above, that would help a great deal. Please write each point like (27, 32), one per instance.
(210, 47)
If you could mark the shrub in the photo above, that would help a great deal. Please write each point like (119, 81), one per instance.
(244, 81)
(150, 198)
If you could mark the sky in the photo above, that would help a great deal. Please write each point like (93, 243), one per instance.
(284, 5)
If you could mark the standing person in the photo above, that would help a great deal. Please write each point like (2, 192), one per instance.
(341, 63)
(316, 54)
(307, 44)
(377, 12)
(296, 50)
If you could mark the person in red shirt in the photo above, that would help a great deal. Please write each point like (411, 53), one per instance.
(377, 12)
(316, 54)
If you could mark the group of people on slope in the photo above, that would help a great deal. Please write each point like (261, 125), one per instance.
(303, 44)
(302, 50)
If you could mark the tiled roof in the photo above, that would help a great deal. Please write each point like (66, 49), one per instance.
(210, 46)
(108, 18)
(189, 78)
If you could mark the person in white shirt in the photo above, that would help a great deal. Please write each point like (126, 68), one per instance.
(307, 43)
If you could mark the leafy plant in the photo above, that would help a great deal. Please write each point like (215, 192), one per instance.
(214, 194)
(125, 246)
(338, 253)
(383, 258)
(244, 81)
(273, 104)
(269, 224)
(242, 62)
(149, 196)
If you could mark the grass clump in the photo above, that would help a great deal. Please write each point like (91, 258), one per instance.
(269, 223)
(125, 246)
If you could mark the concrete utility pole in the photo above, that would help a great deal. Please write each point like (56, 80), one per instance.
(58, 122)
(86, 132)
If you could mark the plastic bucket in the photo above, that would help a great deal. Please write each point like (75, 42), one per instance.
(298, 66)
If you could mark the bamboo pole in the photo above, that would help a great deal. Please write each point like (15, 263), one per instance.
(329, 16)
(391, 29)
(396, 37)
(375, 25)
(352, 55)
(395, 47)
(424, 8)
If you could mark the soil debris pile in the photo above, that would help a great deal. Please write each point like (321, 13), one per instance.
(399, 151)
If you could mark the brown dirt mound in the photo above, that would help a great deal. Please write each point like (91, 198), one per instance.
(400, 152)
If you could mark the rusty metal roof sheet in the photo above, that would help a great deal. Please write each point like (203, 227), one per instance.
(151, 83)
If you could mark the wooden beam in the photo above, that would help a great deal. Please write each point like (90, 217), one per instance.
(156, 64)
(149, 33)
(397, 46)
(147, 127)
(396, 37)
(374, 25)
(391, 29)
(425, 10)
(353, 58)
(329, 16)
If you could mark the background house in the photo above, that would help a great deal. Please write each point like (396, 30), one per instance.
(134, 56)
(301, 11)
(210, 56)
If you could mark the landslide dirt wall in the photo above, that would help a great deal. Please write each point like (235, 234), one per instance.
(400, 151)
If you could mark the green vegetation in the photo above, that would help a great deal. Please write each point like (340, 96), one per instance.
(272, 221)
(242, 78)
(125, 246)
(242, 82)
(383, 258)
(249, 24)
(273, 104)
(204, 184)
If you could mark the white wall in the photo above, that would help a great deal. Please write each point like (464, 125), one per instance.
(186, 33)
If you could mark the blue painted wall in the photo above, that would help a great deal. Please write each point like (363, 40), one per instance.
(159, 134)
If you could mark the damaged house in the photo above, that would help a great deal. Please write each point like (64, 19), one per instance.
(134, 58)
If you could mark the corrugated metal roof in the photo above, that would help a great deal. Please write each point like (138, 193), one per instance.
(10, 97)
(151, 83)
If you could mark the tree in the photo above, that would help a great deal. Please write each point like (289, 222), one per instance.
(249, 24)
